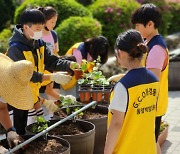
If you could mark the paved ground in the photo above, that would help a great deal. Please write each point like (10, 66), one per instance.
(172, 144)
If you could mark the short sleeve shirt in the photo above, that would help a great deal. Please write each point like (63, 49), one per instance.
(156, 57)
(119, 100)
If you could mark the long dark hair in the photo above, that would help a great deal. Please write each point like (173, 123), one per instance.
(48, 12)
(98, 46)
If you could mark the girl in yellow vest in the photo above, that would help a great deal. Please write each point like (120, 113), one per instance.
(89, 50)
(131, 120)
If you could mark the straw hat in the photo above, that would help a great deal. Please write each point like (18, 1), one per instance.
(14, 82)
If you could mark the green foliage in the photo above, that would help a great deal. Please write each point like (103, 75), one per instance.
(76, 29)
(4, 38)
(163, 126)
(65, 8)
(67, 102)
(95, 77)
(41, 125)
(166, 15)
(175, 21)
(6, 13)
(114, 15)
(85, 2)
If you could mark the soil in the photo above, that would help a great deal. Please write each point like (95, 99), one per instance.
(50, 146)
(104, 103)
(86, 115)
(70, 129)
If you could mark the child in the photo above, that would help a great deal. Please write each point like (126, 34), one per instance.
(26, 44)
(147, 19)
(133, 105)
(89, 50)
(50, 37)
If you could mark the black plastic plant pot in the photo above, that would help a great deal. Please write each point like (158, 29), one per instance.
(100, 125)
(82, 143)
(39, 145)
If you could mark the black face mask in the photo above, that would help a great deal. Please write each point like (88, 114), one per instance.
(45, 27)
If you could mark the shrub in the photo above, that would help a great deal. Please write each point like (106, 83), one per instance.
(114, 15)
(65, 8)
(4, 38)
(76, 29)
(6, 12)
(85, 2)
(166, 15)
(175, 11)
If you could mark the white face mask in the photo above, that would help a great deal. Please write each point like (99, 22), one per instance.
(37, 35)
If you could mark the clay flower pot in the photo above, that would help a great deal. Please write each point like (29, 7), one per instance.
(163, 135)
(97, 96)
(85, 96)
(78, 74)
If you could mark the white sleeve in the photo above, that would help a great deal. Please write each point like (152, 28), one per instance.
(119, 100)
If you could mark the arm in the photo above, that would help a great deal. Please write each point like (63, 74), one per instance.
(53, 63)
(113, 131)
(77, 54)
(118, 106)
(156, 71)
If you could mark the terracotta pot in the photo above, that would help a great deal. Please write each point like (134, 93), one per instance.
(163, 135)
(78, 74)
(107, 96)
(97, 96)
(85, 96)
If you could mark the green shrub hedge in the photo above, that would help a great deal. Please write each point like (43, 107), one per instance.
(76, 29)
(65, 8)
(175, 21)
(114, 15)
(85, 2)
(4, 38)
(6, 13)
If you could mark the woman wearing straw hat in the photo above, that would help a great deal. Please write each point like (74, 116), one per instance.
(26, 44)
(14, 89)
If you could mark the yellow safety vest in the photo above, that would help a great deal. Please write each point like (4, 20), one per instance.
(163, 95)
(40, 68)
(137, 135)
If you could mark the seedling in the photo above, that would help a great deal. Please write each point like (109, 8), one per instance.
(41, 125)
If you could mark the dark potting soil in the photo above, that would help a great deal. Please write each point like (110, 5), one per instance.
(104, 103)
(70, 129)
(86, 115)
(93, 115)
(45, 147)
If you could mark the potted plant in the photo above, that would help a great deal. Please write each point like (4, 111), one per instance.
(84, 89)
(50, 145)
(78, 72)
(80, 134)
(164, 127)
(96, 115)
